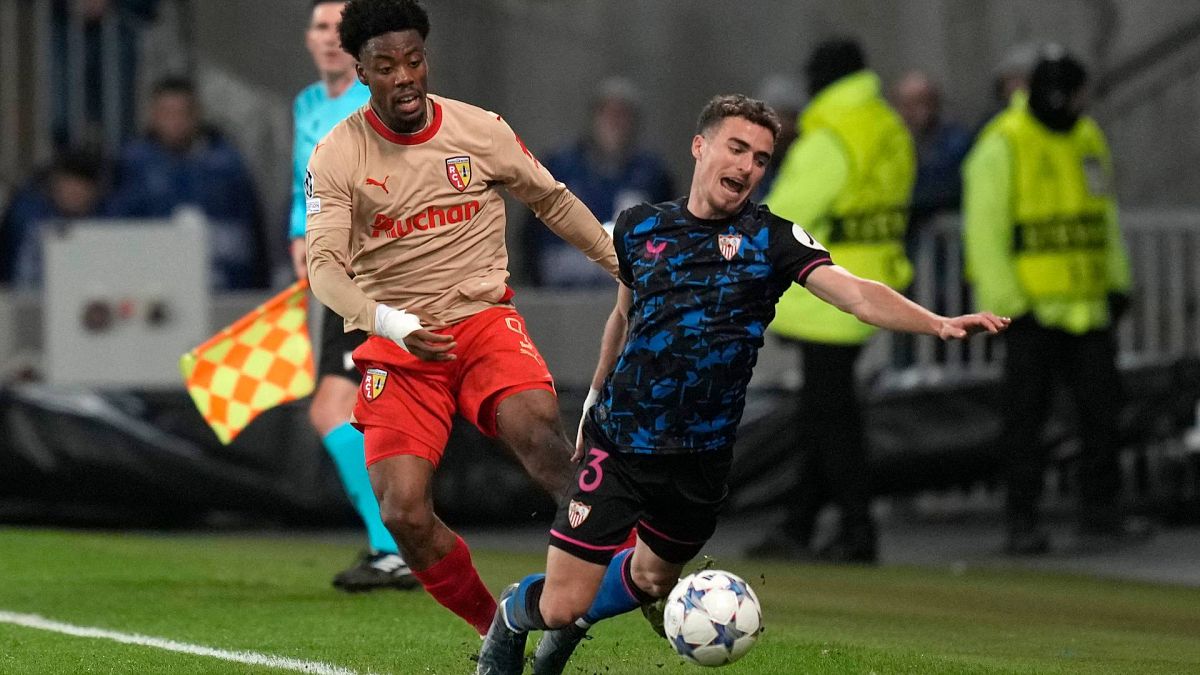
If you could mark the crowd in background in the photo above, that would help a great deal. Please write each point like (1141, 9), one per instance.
(177, 159)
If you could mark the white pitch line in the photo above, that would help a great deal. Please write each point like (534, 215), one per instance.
(252, 658)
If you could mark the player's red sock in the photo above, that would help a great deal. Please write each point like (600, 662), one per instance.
(455, 584)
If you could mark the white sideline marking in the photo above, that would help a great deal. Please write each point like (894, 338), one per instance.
(252, 658)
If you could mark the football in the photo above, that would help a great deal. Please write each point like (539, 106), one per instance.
(712, 618)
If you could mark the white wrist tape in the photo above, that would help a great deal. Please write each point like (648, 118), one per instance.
(592, 396)
(395, 324)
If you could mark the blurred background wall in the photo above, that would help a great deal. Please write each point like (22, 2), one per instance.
(537, 61)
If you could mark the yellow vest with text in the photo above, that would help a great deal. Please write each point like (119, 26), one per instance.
(1061, 199)
(864, 230)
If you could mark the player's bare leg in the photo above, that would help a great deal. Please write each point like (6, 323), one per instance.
(404, 486)
(439, 558)
(329, 413)
(528, 424)
(568, 587)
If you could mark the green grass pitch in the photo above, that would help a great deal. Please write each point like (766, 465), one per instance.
(271, 595)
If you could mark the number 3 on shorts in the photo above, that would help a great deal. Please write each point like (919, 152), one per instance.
(588, 480)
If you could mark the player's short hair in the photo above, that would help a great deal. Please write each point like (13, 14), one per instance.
(365, 19)
(737, 105)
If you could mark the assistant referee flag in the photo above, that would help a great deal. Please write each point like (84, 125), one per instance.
(260, 361)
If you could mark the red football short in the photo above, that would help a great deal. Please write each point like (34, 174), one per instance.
(405, 405)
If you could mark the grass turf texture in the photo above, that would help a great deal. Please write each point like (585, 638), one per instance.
(272, 595)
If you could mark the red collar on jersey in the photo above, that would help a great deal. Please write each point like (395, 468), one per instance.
(407, 139)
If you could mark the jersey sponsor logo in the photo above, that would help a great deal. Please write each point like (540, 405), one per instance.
(401, 226)
(655, 248)
(458, 171)
(374, 381)
(378, 184)
(577, 512)
(805, 238)
(312, 205)
(729, 244)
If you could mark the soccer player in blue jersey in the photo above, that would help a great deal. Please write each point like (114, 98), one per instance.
(317, 109)
(700, 278)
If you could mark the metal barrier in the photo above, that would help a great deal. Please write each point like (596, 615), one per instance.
(1162, 325)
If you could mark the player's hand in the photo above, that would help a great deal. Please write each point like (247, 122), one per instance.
(964, 326)
(406, 330)
(299, 258)
(429, 346)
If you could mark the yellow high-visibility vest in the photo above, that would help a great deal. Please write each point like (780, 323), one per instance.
(1062, 194)
(864, 228)
(1040, 225)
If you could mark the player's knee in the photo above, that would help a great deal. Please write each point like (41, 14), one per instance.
(409, 521)
(654, 582)
(324, 418)
(560, 611)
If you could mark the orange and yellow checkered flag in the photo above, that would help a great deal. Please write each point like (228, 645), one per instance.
(260, 361)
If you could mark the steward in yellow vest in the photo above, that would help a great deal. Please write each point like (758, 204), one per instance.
(1042, 246)
(1040, 223)
(847, 181)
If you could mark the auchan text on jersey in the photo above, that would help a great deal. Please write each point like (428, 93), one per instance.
(432, 217)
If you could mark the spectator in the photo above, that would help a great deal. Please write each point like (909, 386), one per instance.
(784, 95)
(73, 187)
(96, 53)
(941, 146)
(847, 180)
(1043, 246)
(1009, 76)
(608, 171)
(181, 162)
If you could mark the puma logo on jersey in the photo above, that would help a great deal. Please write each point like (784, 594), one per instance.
(383, 185)
(654, 249)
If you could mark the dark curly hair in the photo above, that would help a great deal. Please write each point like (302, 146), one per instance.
(738, 105)
(365, 19)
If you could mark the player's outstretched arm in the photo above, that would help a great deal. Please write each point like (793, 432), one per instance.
(874, 303)
(615, 331)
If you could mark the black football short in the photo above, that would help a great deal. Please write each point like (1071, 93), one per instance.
(337, 346)
(673, 499)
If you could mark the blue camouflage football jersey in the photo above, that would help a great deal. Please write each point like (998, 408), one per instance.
(703, 294)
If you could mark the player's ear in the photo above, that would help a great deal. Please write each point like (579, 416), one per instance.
(362, 74)
(697, 146)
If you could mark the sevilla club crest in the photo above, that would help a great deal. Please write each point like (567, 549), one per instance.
(458, 170)
(729, 244)
(373, 383)
(577, 512)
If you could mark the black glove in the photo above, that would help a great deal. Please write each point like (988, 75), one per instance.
(1118, 303)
